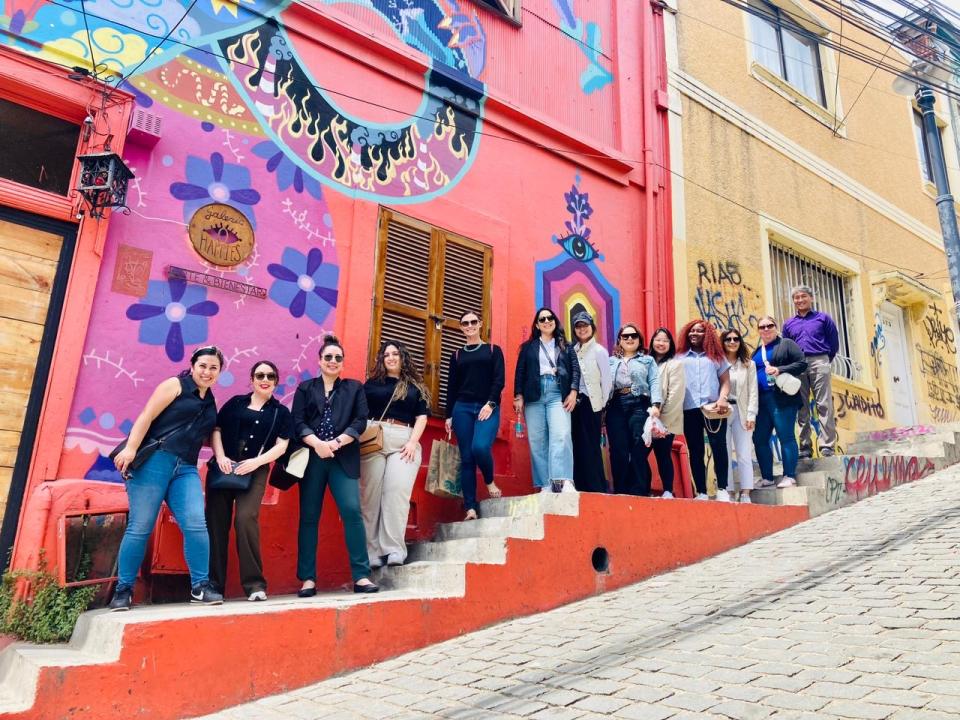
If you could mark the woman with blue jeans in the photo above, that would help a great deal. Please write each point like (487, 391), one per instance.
(474, 383)
(180, 414)
(545, 388)
(778, 410)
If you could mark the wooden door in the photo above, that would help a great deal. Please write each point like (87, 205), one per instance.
(32, 250)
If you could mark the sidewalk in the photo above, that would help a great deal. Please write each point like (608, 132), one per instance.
(855, 614)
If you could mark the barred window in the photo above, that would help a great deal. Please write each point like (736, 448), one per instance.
(834, 292)
(427, 278)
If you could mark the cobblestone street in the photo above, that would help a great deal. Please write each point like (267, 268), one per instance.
(855, 614)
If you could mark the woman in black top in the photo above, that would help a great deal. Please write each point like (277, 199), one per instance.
(181, 414)
(329, 414)
(252, 431)
(397, 399)
(475, 381)
(545, 388)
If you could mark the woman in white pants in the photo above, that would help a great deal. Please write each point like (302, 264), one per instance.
(744, 400)
(398, 401)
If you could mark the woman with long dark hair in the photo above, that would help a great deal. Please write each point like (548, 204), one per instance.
(474, 383)
(587, 419)
(180, 415)
(743, 408)
(398, 401)
(545, 387)
(707, 386)
(636, 396)
(252, 431)
(329, 414)
(672, 385)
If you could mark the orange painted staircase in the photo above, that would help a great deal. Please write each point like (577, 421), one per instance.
(526, 555)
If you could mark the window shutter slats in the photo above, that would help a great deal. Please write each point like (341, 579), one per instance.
(405, 329)
(450, 340)
(463, 279)
(407, 278)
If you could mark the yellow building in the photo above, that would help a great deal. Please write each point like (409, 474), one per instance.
(793, 163)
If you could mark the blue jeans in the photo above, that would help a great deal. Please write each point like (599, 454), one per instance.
(548, 428)
(475, 440)
(783, 419)
(164, 477)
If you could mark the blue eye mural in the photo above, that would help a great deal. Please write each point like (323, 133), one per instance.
(576, 242)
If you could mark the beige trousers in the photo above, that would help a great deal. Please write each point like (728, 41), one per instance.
(386, 481)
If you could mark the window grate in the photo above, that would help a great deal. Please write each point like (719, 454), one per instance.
(834, 293)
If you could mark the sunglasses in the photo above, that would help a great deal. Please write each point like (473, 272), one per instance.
(766, 327)
(731, 340)
(272, 377)
(629, 336)
(546, 318)
(330, 357)
(469, 323)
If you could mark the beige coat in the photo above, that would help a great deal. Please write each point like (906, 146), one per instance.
(743, 388)
(672, 387)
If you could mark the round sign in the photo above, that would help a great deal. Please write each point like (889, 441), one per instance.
(221, 234)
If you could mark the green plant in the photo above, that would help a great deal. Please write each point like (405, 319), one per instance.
(50, 613)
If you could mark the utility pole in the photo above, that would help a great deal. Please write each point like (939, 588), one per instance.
(945, 208)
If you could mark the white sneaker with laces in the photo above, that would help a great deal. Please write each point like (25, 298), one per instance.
(723, 496)
(786, 482)
(667, 495)
(257, 595)
(568, 487)
(746, 499)
(702, 496)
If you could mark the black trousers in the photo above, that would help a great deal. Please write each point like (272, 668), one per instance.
(585, 429)
(626, 415)
(694, 426)
(663, 451)
(246, 524)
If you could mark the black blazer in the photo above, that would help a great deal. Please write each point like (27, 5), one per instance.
(789, 358)
(232, 430)
(526, 378)
(349, 416)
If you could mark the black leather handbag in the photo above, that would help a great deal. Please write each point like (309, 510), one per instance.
(149, 446)
(217, 479)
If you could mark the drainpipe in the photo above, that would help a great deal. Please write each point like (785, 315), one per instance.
(648, 110)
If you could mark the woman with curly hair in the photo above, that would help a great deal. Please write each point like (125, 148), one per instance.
(397, 400)
(707, 386)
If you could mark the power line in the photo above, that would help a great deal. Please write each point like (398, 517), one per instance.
(158, 45)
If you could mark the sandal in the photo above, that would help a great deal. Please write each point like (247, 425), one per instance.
(471, 515)
(493, 491)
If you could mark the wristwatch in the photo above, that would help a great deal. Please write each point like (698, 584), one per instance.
(492, 404)
(337, 441)
(657, 405)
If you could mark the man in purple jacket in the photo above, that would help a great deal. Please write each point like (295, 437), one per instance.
(816, 334)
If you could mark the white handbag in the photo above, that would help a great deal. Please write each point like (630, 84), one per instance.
(787, 384)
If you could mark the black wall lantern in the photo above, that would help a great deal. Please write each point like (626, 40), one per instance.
(103, 182)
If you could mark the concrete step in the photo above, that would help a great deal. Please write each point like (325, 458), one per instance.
(528, 527)
(477, 550)
(815, 499)
(536, 504)
(432, 579)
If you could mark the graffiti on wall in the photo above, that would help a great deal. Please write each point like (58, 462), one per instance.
(857, 401)
(939, 334)
(723, 299)
(868, 475)
(590, 41)
(571, 281)
(943, 382)
(233, 65)
(877, 344)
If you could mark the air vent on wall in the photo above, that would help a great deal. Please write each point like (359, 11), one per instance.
(145, 127)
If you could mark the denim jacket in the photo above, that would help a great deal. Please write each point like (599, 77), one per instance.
(644, 376)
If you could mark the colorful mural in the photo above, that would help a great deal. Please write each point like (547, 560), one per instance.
(571, 282)
(233, 64)
(588, 38)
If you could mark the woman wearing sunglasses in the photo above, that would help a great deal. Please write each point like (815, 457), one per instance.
(474, 384)
(329, 414)
(545, 387)
(398, 400)
(587, 420)
(778, 411)
(672, 386)
(636, 396)
(180, 415)
(707, 386)
(743, 408)
(252, 431)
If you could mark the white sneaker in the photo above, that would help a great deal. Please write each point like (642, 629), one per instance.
(723, 496)
(667, 495)
(257, 595)
(702, 496)
(745, 499)
(786, 482)
(568, 487)
(546, 489)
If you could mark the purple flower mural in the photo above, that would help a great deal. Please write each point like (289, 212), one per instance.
(288, 173)
(304, 285)
(215, 181)
(173, 314)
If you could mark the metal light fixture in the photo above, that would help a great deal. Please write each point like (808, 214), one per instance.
(103, 182)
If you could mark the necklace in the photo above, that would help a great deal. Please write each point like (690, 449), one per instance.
(472, 348)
